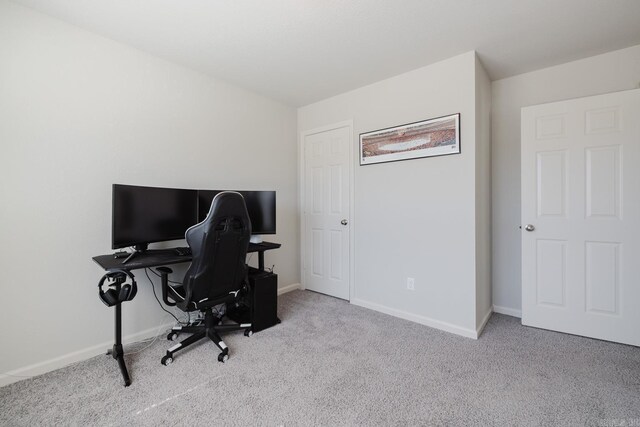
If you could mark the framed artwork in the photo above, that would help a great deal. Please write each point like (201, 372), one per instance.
(428, 138)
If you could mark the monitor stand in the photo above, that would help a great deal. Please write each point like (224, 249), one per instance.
(256, 239)
(137, 249)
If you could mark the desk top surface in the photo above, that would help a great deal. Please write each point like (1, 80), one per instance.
(159, 257)
(261, 247)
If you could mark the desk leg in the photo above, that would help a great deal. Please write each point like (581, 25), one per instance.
(261, 260)
(117, 352)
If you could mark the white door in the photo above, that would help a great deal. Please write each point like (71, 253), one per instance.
(581, 216)
(327, 210)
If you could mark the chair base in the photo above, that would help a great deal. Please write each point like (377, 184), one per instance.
(209, 330)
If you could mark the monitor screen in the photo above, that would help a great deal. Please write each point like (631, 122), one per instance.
(261, 206)
(144, 215)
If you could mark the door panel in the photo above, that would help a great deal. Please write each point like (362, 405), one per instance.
(603, 181)
(581, 196)
(602, 277)
(551, 272)
(552, 183)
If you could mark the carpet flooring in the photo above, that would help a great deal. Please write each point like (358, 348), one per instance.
(332, 363)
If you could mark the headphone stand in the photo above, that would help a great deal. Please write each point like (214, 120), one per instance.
(117, 352)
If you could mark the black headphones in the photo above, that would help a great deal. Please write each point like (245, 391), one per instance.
(127, 291)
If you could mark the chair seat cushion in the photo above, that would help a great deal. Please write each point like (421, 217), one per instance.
(177, 294)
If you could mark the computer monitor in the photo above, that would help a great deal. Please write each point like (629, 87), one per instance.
(143, 215)
(261, 206)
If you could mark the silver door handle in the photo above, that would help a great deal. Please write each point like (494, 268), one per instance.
(344, 222)
(529, 227)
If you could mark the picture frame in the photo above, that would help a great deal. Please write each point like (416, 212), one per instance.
(439, 136)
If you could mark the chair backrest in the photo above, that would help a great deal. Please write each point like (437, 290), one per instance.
(219, 250)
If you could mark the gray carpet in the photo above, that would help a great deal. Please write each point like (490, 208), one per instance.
(331, 363)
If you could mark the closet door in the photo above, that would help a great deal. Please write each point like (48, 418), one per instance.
(327, 211)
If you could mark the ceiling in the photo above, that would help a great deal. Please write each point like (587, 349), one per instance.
(302, 51)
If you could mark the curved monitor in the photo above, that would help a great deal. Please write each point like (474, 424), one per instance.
(261, 206)
(143, 215)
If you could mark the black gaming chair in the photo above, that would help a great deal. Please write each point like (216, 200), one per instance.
(217, 274)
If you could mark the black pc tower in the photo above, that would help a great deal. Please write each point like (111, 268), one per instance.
(260, 306)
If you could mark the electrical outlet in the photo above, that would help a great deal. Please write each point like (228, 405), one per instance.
(411, 283)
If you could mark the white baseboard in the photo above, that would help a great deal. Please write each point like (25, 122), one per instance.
(484, 322)
(75, 356)
(433, 323)
(508, 311)
(289, 288)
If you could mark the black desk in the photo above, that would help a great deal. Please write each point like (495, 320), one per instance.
(150, 258)
(160, 257)
(154, 258)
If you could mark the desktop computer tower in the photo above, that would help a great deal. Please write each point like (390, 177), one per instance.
(260, 306)
(263, 294)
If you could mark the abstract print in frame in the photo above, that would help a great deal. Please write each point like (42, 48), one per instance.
(433, 137)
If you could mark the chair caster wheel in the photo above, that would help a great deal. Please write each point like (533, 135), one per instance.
(166, 360)
(172, 336)
(248, 332)
(223, 357)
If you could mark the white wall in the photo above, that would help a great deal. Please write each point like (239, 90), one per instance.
(413, 218)
(610, 72)
(79, 112)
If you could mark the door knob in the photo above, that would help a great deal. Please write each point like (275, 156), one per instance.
(344, 222)
(529, 227)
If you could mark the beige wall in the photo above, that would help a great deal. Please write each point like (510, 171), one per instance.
(79, 112)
